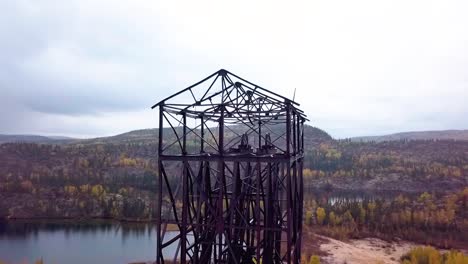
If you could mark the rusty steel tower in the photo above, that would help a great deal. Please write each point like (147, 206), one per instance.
(230, 174)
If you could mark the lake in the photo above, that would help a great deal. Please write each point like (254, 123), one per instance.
(101, 242)
(106, 242)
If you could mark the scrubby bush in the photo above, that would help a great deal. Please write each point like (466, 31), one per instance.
(430, 255)
(314, 259)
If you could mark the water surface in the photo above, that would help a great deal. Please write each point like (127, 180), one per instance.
(72, 243)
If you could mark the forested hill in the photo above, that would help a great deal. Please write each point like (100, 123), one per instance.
(313, 136)
(141, 136)
(4, 138)
(116, 176)
(459, 135)
(130, 159)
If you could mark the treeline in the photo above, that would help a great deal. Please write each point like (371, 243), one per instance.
(114, 166)
(432, 219)
(76, 202)
(442, 164)
(416, 158)
(433, 162)
(77, 181)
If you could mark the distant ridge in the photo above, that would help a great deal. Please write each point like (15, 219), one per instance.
(312, 136)
(418, 135)
(148, 135)
(7, 138)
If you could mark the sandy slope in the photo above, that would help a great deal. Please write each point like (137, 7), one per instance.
(370, 250)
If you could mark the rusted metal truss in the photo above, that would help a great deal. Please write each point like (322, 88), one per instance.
(230, 174)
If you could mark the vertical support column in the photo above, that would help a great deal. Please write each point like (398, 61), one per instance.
(221, 132)
(222, 180)
(185, 198)
(259, 134)
(278, 190)
(301, 207)
(235, 237)
(248, 209)
(257, 212)
(303, 131)
(160, 130)
(299, 134)
(200, 250)
(202, 134)
(210, 219)
(269, 218)
(295, 208)
(294, 133)
(159, 255)
(184, 133)
(288, 185)
(221, 174)
(288, 130)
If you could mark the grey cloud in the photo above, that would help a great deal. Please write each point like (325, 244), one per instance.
(63, 63)
(30, 28)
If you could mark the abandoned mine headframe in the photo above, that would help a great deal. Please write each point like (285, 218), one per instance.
(230, 187)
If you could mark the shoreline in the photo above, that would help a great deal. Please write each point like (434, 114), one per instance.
(76, 220)
(330, 250)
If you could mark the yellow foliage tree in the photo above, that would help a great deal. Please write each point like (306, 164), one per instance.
(97, 190)
(332, 218)
(314, 259)
(455, 257)
(422, 255)
(308, 218)
(320, 215)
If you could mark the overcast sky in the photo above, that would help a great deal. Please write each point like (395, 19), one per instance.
(93, 68)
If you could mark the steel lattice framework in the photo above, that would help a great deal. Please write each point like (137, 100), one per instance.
(230, 174)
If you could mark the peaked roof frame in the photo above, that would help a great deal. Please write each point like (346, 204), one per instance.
(237, 96)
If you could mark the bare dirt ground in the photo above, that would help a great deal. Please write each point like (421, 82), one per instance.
(368, 250)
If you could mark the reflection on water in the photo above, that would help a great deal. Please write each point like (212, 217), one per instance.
(68, 242)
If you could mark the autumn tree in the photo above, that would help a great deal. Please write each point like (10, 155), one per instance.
(320, 215)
